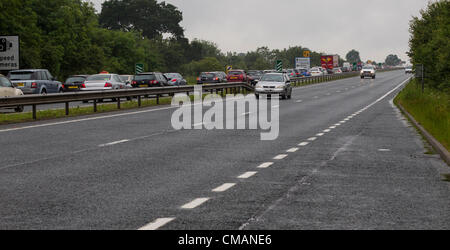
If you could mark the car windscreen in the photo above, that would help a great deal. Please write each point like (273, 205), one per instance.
(99, 78)
(173, 76)
(124, 78)
(21, 76)
(368, 67)
(272, 78)
(145, 77)
(75, 79)
(208, 75)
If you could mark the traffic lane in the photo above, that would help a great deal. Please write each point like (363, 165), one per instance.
(380, 178)
(58, 140)
(101, 167)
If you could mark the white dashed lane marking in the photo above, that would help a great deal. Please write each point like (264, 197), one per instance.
(157, 224)
(247, 175)
(312, 139)
(113, 143)
(292, 150)
(320, 134)
(303, 144)
(265, 165)
(223, 187)
(280, 157)
(195, 203)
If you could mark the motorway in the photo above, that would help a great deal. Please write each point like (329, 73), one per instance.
(345, 159)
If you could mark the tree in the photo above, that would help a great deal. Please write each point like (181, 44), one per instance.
(353, 56)
(393, 60)
(151, 18)
(429, 43)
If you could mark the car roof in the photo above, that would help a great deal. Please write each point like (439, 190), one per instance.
(27, 70)
(78, 75)
(148, 73)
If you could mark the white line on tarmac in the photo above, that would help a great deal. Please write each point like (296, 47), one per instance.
(320, 134)
(292, 150)
(265, 165)
(195, 203)
(247, 175)
(224, 187)
(280, 157)
(312, 139)
(303, 144)
(113, 143)
(157, 224)
(327, 130)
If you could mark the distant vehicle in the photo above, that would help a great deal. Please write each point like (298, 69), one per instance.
(292, 73)
(7, 89)
(175, 79)
(316, 72)
(337, 71)
(149, 79)
(211, 77)
(346, 67)
(127, 79)
(35, 81)
(408, 70)
(269, 71)
(368, 71)
(254, 76)
(274, 84)
(304, 72)
(74, 83)
(237, 76)
(102, 82)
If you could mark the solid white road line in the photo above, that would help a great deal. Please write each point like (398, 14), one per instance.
(224, 187)
(265, 165)
(303, 144)
(247, 175)
(113, 143)
(195, 203)
(312, 139)
(280, 157)
(157, 224)
(292, 150)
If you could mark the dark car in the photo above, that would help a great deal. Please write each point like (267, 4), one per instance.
(150, 79)
(237, 76)
(35, 81)
(74, 83)
(211, 77)
(254, 76)
(175, 79)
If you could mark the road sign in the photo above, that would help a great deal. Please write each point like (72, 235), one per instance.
(228, 68)
(9, 52)
(279, 66)
(139, 68)
(306, 53)
(301, 62)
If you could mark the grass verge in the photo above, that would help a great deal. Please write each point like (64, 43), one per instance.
(431, 109)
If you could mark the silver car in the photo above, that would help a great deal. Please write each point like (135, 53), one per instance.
(103, 82)
(7, 89)
(274, 84)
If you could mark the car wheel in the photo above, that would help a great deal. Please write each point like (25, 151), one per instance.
(257, 96)
(60, 91)
(373, 77)
(19, 109)
(43, 92)
(283, 96)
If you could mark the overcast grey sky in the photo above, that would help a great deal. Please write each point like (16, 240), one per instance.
(375, 28)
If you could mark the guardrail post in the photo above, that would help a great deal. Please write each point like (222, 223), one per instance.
(157, 99)
(34, 112)
(95, 105)
(67, 108)
(118, 103)
(139, 101)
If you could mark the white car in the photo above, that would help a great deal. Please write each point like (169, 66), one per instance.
(408, 70)
(103, 82)
(316, 72)
(7, 89)
(368, 71)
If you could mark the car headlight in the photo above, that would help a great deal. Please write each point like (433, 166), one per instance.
(280, 87)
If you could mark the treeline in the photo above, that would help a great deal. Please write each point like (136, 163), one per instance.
(430, 43)
(69, 37)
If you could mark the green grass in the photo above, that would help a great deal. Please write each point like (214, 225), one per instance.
(431, 109)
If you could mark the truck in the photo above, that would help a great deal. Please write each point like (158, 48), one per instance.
(329, 61)
(347, 67)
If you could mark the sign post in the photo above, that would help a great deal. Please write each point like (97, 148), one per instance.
(9, 53)
(139, 68)
(279, 66)
(420, 73)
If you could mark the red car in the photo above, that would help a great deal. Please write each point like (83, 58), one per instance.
(237, 76)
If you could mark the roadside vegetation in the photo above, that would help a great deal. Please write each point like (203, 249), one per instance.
(429, 46)
(431, 109)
